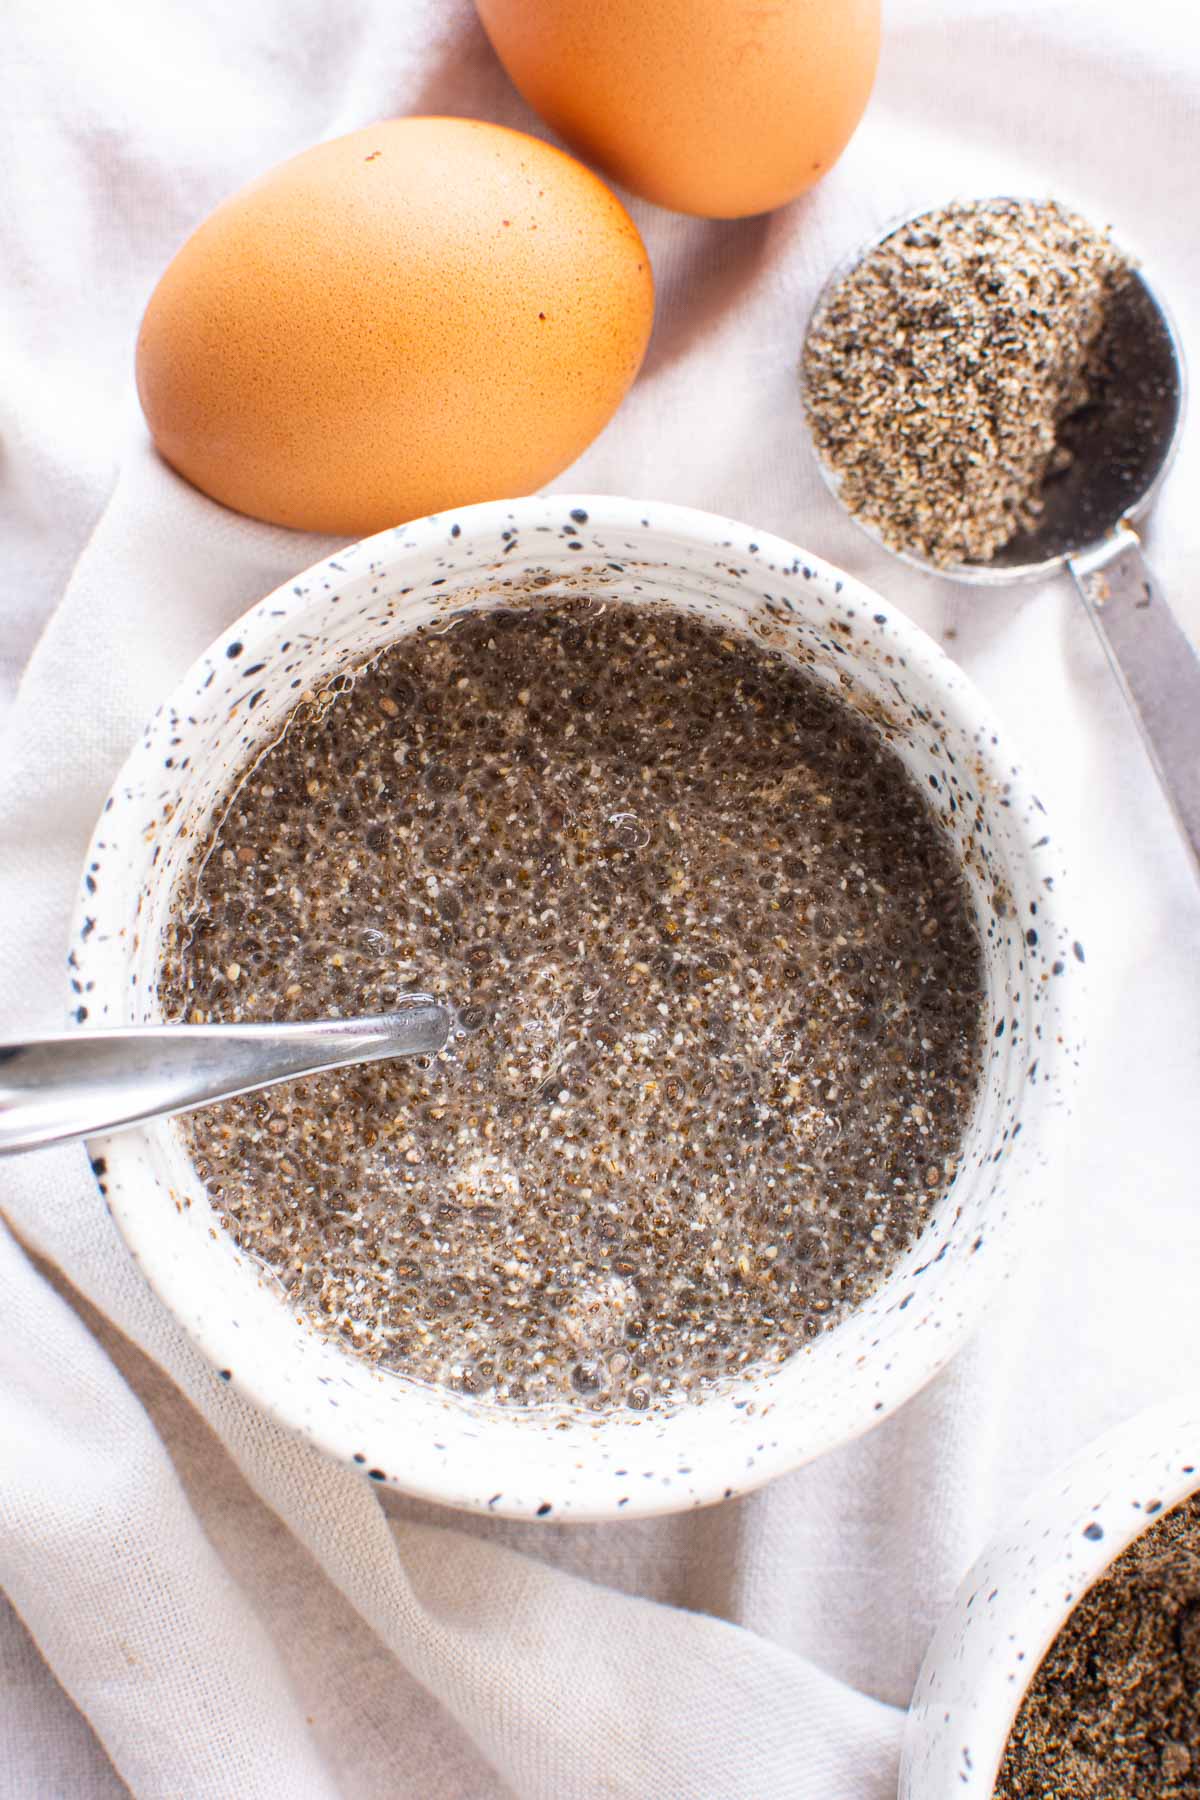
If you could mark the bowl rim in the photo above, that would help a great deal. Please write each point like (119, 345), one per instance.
(1092, 1507)
(764, 553)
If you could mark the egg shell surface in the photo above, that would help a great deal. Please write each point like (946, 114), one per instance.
(717, 107)
(422, 314)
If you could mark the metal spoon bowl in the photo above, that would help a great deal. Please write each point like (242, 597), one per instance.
(77, 1084)
(1122, 447)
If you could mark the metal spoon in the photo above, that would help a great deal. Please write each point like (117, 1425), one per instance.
(90, 1083)
(1122, 446)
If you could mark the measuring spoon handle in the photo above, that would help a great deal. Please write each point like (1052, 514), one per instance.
(1155, 663)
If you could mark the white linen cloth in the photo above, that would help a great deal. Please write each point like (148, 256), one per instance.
(199, 1605)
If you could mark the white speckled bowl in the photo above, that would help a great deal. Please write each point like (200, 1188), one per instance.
(1017, 1597)
(234, 700)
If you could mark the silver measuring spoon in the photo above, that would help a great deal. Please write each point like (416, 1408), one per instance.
(1122, 446)
(89, 1083)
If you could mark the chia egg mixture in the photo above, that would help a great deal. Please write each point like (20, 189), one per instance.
(720, 995)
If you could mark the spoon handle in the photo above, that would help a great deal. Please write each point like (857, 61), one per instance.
(1154, 662)
(88, 1083)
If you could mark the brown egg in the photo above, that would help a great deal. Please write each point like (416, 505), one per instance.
(718, 107)
(423, 314)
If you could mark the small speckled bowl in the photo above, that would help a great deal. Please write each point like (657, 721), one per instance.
(1021, 1592)
(234, 701)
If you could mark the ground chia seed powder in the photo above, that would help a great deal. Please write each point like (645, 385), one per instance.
(721, 981)
(938, 372)
(1114, 1710)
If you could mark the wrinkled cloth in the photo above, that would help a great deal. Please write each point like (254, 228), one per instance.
(194, 1602)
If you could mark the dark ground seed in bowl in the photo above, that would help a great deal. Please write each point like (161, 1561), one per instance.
(1114, 1711)
(724, 991)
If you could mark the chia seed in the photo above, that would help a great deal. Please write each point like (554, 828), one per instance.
(938, 373)
(722, 997)
(1115, 1707)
